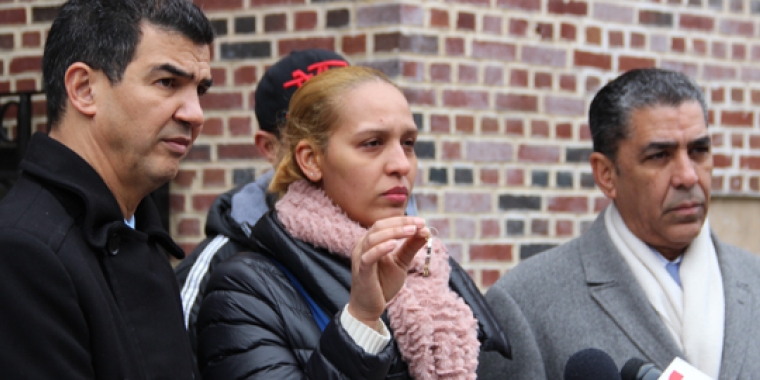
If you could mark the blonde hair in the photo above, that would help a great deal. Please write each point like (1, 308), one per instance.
(313, 114)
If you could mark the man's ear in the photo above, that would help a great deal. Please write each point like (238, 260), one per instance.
(80, 80)
(268, 145)
(605, 174)
(309, 160)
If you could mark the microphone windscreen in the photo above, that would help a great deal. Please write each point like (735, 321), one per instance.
(591, 363)
(631, 369)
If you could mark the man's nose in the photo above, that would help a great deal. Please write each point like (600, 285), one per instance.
(684, 171)
(190, 111)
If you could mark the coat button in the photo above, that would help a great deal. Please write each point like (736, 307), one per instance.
(113, 244)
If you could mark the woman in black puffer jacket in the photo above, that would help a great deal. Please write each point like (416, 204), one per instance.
(340, 284)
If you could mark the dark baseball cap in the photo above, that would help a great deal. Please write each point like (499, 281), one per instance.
(283, 79)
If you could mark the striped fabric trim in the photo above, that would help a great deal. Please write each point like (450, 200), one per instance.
(197, 273)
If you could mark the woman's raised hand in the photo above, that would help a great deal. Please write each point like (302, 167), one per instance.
(380, 262)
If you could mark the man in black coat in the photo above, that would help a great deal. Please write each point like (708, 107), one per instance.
(86, 288)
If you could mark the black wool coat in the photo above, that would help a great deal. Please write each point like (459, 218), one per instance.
(83, 295)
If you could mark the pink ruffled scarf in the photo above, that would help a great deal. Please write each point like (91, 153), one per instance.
(435, 329)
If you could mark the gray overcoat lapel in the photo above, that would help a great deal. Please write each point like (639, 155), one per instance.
(613, 286)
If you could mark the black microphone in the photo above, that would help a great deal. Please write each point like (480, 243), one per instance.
(591, 364)
(637, 369)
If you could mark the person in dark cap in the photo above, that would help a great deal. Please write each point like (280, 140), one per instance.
(229, 221)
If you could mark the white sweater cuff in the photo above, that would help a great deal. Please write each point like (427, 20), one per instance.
(364, 336)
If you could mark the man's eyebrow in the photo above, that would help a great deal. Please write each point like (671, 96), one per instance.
(702, 141)
(174, 70)
(663, 145)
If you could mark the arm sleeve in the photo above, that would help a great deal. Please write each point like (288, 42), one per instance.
(43, 331)
(526, 362)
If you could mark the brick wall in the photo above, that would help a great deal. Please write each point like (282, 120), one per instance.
(499, 89)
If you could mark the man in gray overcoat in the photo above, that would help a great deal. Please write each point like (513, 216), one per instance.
(649, 279)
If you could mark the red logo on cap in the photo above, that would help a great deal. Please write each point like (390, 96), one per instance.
(300, 77)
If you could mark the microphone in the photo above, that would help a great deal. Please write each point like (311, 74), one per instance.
(637, 369)
(679, 369)
(591, 364)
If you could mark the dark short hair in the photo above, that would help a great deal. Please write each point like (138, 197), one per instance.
(611, 108)
(104, 34)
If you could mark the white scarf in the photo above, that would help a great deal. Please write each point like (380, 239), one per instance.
(694, 315)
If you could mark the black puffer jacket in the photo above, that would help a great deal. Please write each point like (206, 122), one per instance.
(254, 325)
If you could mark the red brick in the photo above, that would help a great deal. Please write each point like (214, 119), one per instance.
(414, 71)
(492, 24)
(737, 118)
(219, 76)
(538, 153)
(564, 131)
(722, 161)
(306, 20)
(439, 18)
(465, 228)
(689, 68)
(714, 72)
(464, 124)
(20, 65)
(221, 101)
(493, 50)
(203, 202)
(518, 27)
(567, 82)
(568, 204)
(717, 95)
(213, 177)
(697, 22)
(542, 80)
(240, 126)
(754, 141)
(440, 123)
(678, 44)
(31, 39)
(467, 202)
(518, 78)
(717, 183)
(451, 150)
(699, 46)
(213, 127)
(719, 49)
(737, 141)
(515, 177)
(738, 52)
(465, 21)
(539, 227)
(514, 102)
(565, 106)
(750, 162)
(613, 14)
(638, 40)
(487, 151)
(736, 27)
(737, 95)
(426, 202)
(489, 177)
(214, 5)
(585, 132)
(354, 44)
(488, 277)
(567, 32)
(245, 75)
(626, 63)
(13, 16)
(539, 128)
(593, 35)
(468, 74)
(616, 39)
(277, 22)
(593, 84)
(490, 252)
(420, 96)
(600, 203)
(544, 56)
(184, 177)
(489, 125)
(545, 30)
(285, 46)
(454, 46)
(754, 184)
(189, 227)
(526, 5)
(565, 7)
(237, 152)
(514, 127)
(564, 228)
(26, 85)
(587, 59)
(494, 76)
(466, 99)
(176, 203)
